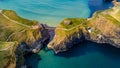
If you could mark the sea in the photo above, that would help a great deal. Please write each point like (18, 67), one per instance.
(51, 12)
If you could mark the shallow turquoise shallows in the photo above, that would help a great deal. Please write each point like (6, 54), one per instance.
(51, 12)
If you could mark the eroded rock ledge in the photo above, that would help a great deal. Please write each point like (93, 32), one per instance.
(103, 27)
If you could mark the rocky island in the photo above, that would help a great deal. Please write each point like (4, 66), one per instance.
(103, 27)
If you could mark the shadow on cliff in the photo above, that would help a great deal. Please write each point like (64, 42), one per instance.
(95, 5)
(91, 47)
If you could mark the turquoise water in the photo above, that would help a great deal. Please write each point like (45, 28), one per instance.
(52, 12)
(85, 55)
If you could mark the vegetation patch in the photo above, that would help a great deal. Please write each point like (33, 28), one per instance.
(74, 22)
(12, 15)
(113, 20)
(7, 56)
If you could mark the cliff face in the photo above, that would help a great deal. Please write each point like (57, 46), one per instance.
(14, 28)
(103, 27)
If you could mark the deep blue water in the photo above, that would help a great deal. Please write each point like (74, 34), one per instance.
(51, 12)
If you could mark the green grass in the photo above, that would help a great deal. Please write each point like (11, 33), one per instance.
(7, 28)
(96, 32)
(75, 27)
(15, 31)
(11, 31)
(7, 56)
(75, 22)
(113, 20)
(5, 44)
(118, 13)
(12, 15)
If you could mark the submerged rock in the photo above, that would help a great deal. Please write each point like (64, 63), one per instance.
(103, 27)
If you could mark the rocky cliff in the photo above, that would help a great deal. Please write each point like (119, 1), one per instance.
(27, 33)
(103, 27)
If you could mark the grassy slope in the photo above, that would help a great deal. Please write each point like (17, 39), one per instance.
(113, 15)
(101, 25)
(99, 19)
(11, 14)
(11, 31)
(7, 56)
(63, 31)
(106, 21)
(75, 22)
